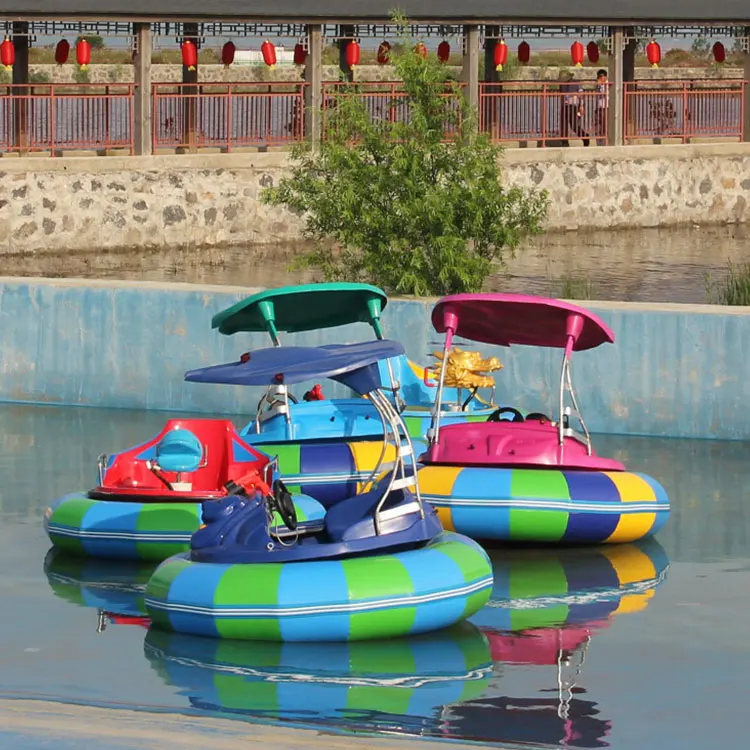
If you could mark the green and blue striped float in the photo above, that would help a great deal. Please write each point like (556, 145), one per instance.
(545, 505)
(114, 585)
(359, 598)
(412, 678)
(152, 531)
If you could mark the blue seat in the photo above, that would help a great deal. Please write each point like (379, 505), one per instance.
(179, 451)
(345, 514)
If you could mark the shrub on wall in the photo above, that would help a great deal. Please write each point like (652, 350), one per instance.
(409, 197)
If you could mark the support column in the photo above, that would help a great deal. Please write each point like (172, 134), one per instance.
(615, 111)
(628, 77)
(346, 35)
(746, 88)
(470, 67)
(142, 123)
(490, 120)
(190, 93)
(314, 81)
(21, 104)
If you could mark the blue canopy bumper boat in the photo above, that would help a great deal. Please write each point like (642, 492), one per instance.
(381, 563)
(328, 447)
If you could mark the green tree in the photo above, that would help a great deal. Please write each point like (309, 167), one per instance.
(389, 199)
(95, 40)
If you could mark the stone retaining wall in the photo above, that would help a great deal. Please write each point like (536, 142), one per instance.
(166, 73)
(50, 205)
(674, 370)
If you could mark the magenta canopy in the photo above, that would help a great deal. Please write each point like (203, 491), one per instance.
(520, 319)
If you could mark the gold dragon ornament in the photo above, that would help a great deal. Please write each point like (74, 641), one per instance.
(465, 369)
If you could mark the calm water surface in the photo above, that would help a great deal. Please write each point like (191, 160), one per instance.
(636, 646)
(646, 265)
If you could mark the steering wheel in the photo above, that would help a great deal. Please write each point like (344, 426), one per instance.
(281, 501)
(495, 416)
(271, 403)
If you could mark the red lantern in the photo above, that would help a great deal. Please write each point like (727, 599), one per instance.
(384, 53)
(421, 50)
(576, 54)
(720, 53)
(592, 52)
(227, 54)
(83, 53)
(300, 54)
(524, 52)
(653, 52)
(269, 53)
(352, 54)
(62, 51)
(500, 54)
(443, 51)
(7, 54)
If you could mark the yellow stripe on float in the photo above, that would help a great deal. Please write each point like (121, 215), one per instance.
(366, 454)
(633, 603)
(631, 564)
(632, 489)
(438, 482)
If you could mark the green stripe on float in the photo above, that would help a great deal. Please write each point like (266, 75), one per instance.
(538, 525)
(232, 591)
(378, 578)
(531, 579)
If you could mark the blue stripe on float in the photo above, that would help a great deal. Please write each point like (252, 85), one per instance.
(590, 527)
(592, 486)
(474, 522)
(432, 571)
(313, 698)
(196, 583)
(320, 659)
(306, 585)
(108, 529)
(595, 573)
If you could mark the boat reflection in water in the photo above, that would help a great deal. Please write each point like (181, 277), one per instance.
(115, 588)
(546, 606)
(513, 674)
(394, 685)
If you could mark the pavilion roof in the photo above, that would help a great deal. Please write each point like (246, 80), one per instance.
(538, 12)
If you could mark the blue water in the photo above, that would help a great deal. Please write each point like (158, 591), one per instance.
(659, 662)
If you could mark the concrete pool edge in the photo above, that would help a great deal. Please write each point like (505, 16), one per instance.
(676, 370)
(129, 728)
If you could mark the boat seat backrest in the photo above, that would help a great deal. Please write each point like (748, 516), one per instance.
(179, 451)
(346, 513)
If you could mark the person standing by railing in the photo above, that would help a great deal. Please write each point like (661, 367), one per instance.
(602, 106)
(571, 119)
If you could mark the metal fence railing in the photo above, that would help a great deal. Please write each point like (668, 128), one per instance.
(684, 109)
(53, 117)
(227, 116)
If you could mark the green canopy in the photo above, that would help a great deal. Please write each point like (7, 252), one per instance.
(308, 307)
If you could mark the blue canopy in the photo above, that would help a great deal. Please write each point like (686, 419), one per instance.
(354, 365)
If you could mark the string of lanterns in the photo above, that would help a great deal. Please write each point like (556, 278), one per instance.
(351, 54)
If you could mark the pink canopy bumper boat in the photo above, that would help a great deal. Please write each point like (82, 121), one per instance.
(532, 478)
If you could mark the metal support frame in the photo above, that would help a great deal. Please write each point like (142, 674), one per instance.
(566, 412)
